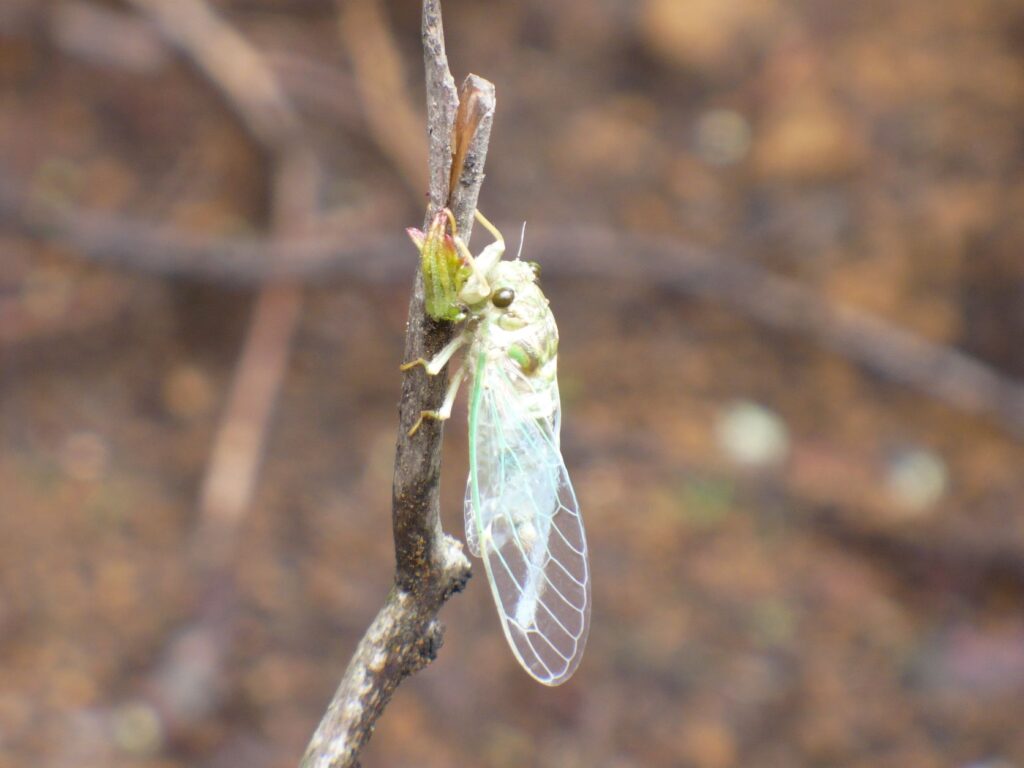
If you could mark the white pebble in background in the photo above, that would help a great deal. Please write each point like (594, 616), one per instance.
(916, 480)
(752, 435)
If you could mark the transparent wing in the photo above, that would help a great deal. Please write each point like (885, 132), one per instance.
(471, 538)
(522, 515)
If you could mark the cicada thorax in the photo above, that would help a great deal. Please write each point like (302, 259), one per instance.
(534, 348)
(520, 343)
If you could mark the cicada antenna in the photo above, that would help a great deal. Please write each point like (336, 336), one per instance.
(522, 237)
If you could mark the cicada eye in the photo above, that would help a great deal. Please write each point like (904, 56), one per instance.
(503, 297)
(536, 270)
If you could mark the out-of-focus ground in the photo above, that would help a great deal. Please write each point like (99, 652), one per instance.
(795, 562)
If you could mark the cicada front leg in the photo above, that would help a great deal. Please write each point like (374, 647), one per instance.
(477, 288)
(433, 367)
(492, 254)
(445, 411)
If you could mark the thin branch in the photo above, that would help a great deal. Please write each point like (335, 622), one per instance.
(103, 36)
(138, 245)
(230, 479)
(111, 38)
(417, 523)
(395, 124)
(230, 63)
(430, 565)
(958, 564)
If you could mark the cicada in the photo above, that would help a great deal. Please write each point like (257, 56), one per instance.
(522, 516)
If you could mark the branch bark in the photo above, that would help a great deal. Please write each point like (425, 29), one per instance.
(430, 566)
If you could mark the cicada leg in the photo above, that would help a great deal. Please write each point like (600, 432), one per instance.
(445, 411)
(477, 288)
(492, 254)
(440, 360)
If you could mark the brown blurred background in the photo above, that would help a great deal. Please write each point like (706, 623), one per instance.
(806, 529)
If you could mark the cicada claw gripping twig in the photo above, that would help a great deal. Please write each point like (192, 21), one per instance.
(445, 411)
(437, 363)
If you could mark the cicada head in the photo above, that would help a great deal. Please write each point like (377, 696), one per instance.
(444, 269)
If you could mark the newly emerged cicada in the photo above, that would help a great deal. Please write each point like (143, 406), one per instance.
(521, 512)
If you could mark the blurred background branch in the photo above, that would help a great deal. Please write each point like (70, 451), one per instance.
(393, 122)
(896, 354)
(249, 86)
(231, 65)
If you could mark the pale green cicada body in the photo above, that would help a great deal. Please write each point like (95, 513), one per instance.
(522, 516)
